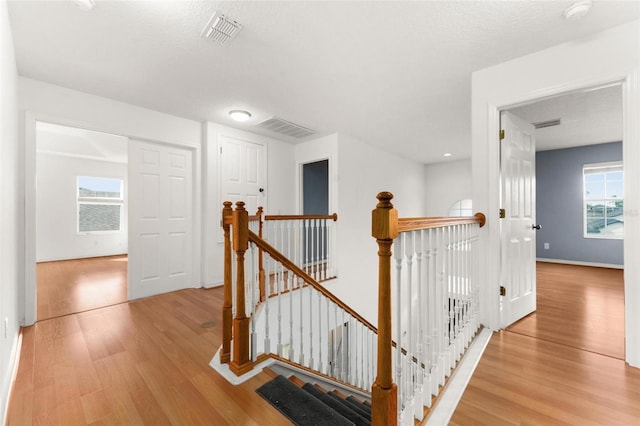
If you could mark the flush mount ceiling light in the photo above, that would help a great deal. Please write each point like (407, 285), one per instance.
(240, 115)
(448, 154)
(221, 28)
(577, 10)
(85, 5)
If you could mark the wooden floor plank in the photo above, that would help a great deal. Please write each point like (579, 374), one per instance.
(146, 362)
(70, 286)
(562, 364)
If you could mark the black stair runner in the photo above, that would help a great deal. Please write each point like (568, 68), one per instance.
(312, 405)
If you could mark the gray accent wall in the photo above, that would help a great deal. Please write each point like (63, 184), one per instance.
(559, 205)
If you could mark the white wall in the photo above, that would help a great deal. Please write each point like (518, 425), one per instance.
(56, 218)
(40, 101)
(363, 172)
(440, 197)
(609, 56)
(11, 207)
(279, 189)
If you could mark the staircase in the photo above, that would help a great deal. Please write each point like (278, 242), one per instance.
(311, 404)
(276, 310)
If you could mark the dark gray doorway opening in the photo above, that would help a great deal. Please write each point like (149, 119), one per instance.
(315, 188)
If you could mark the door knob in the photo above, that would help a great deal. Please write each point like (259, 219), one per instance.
(536, 227)
(261, 189)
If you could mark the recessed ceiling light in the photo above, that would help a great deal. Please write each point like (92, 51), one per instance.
(448, 154)
(85, 5)
(240, 115)
(577, 10)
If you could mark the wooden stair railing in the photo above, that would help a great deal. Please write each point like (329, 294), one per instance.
(386, 227)
(237, 236)
(449, 260)
(308, 240)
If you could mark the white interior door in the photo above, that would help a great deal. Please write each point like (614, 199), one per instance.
(243, 172)
(518, 258)
(160, 218)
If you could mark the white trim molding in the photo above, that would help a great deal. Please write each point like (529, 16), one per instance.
(611, 56)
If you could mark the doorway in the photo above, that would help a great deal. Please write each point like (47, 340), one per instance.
(579, 247)
(315, 188)
(81, 220)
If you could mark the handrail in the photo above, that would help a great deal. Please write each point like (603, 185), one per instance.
(333, 217)
(417, 223)
(275, 254)
(445, 260)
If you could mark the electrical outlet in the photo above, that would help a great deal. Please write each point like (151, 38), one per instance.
(546, 246)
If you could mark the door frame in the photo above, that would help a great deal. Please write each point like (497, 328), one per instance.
(603, 59)
(31, 118)
(300, 183)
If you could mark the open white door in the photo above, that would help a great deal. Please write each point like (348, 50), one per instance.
(160, 218)
(518, 227)
(243, 171)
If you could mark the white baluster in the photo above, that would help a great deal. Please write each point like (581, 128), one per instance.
(398, 252)
(307, 239)
(329, 342)
(279, 273)
(300, 305)
(267, 341)
(320, 335)
(291, 280)
(311, 290)
(336, 368)
(314, 251)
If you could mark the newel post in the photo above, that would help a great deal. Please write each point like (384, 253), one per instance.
(227, 303)
(241, 362)
(384, 393)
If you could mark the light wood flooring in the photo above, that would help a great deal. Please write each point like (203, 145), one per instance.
(71, 286)
(146, 362)
(578, 306)
(142, 362)
(562, 365)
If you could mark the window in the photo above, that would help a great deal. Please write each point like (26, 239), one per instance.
(100, 203)
(461, 208)
(603, 200)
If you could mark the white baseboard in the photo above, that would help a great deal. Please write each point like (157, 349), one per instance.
(446, 406)
(14, 362)
(212, 285)
(576, 262)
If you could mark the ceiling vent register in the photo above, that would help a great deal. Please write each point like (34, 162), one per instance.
(220, 28)
(548, 123)
(284, 127)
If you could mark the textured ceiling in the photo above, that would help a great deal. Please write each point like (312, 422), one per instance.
(394, 74)
(586, 118)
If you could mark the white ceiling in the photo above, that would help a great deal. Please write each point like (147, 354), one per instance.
(394, 74)
(586, 118)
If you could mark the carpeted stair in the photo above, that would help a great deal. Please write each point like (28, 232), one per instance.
(307, 404)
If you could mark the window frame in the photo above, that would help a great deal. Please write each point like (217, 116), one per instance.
(600, 168)
(84, 200)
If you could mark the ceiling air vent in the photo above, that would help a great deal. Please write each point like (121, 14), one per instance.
(285, 127)
(548, 123)
(221, 28)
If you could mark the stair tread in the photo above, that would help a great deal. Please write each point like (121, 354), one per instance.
(299, 406)
(338, 404)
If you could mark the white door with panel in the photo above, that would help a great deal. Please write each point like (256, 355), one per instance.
(243, 172)
(518, 227)
(160, 218)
